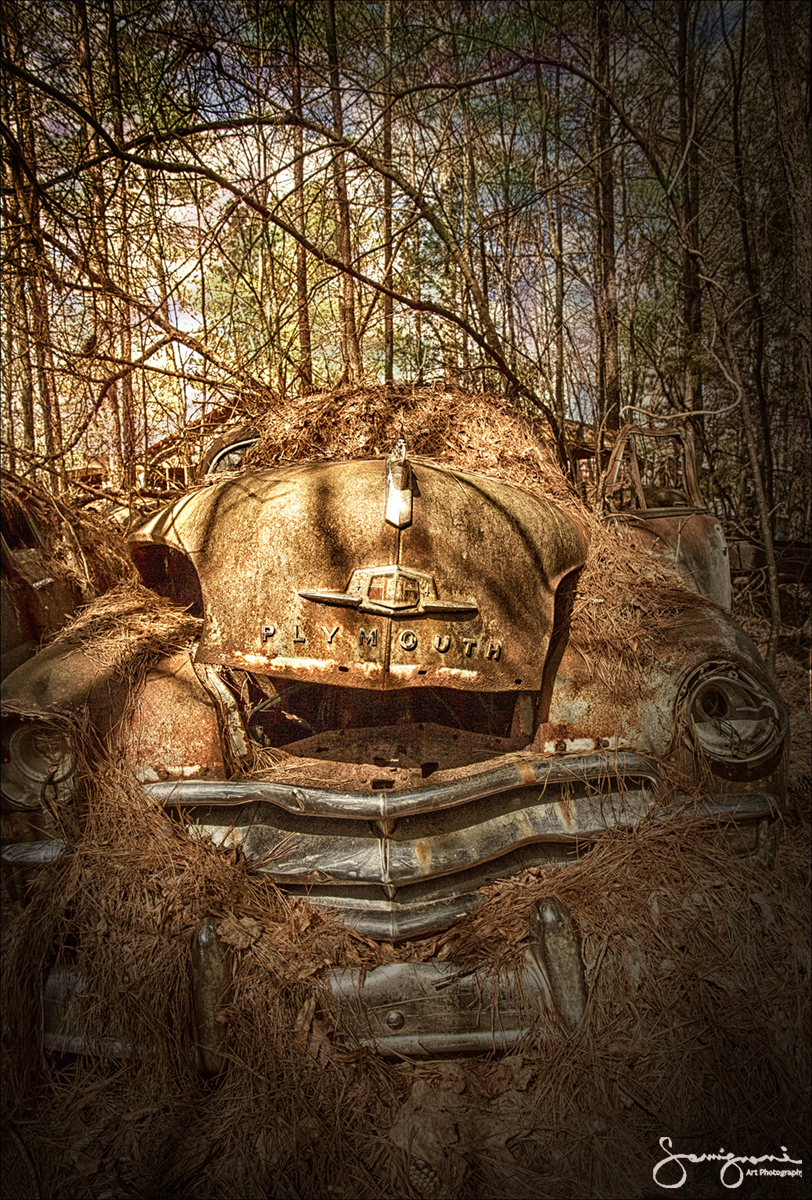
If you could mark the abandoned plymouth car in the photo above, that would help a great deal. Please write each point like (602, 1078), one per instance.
(386, 711)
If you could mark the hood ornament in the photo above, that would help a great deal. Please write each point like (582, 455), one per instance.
(399, 495)
(393, 589)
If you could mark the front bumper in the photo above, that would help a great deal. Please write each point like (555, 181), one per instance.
(396, 1009)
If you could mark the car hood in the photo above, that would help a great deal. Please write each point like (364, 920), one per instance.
(375, 574)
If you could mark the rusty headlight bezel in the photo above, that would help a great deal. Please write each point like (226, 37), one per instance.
(732, 717)
(36, 753)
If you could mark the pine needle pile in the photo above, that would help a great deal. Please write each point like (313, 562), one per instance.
(698, 976)
(82, 547)
(129, 629)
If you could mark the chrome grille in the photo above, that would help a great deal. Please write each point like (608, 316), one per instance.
(400, 863)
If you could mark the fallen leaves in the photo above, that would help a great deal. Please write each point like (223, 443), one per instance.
(239, 932)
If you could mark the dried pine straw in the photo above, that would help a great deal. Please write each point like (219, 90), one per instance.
(82, 547)
(697, 964)
(130, 628)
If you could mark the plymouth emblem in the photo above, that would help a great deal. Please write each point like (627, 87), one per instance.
(390, 590)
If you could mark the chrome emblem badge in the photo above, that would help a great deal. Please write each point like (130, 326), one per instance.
(390, 590)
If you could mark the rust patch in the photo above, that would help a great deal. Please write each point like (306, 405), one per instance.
(692, 542)
(422, 850)
(564, 810)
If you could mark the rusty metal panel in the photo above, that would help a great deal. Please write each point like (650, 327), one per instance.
(258, 540)
(62, 681)
(35, 603)
(173, 731)
(303, 576)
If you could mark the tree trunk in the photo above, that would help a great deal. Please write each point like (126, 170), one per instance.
(552, 193)
(26, 369)
(688, 214)
(418, 316)
(7, 317)
(787, 38)
(34, 264)
(126, 393)
(99, 246)
(204, 335)
(16, 312)
(606, 218)
(351, 348)
(632, 369)
(751, 271)
(388, 306)
(302, 297)
(560, 406)
(754, 455)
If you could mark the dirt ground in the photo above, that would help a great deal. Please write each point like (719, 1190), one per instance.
(697, 1032)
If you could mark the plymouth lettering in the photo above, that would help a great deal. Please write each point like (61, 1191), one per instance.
(407, 639)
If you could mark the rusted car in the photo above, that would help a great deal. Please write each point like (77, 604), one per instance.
(37, 600)
(397, 631)
(227, 451)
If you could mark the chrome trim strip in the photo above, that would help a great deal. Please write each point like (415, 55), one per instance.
(745, 807)
(513, 771)
(32, 854)
(389, 921)
(230, 717)
(287, 854)
(323, 856)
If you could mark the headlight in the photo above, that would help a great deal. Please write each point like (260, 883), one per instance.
(734, 719)
(34, 752)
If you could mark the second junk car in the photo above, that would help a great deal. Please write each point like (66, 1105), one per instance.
(398, 631)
